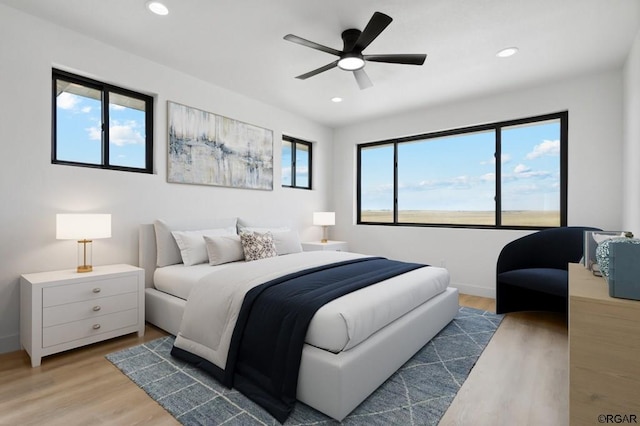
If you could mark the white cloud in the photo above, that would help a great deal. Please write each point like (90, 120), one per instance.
(488, 177)
(68, 101)
(546, 148)
(522, 171)
(521, 168)
(86, 109)
(505, 159)
(95, 134)
(121, 135)
(116, 107)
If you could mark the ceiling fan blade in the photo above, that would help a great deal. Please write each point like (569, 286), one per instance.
(311, 44)
(377, 24)
(364, 82)
(409, 59)
(318, 71)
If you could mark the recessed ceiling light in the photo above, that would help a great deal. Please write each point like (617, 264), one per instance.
(505, 53)
(157, 8)
(336, 99)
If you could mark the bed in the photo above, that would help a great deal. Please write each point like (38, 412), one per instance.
(339, 367)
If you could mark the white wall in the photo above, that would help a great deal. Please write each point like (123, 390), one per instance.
(32, 190)
(594, 103)
(631, 149)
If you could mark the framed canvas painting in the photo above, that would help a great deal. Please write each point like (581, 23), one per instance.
(210, 149)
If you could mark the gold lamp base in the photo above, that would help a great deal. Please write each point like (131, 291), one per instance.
(84, 256)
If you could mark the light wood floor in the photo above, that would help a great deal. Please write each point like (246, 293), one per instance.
(521, 378)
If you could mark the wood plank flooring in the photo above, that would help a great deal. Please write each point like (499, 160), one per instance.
(521, 378)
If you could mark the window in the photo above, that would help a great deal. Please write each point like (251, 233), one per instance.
(99, 125)
(452, 178)
(296, 163)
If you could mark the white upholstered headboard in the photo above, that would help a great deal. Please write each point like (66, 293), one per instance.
(147, 257)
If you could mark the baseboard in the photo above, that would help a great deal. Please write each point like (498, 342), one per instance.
(9, 343)
(475, 290)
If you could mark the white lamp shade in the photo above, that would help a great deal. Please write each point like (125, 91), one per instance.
(83, 226)
(324, 218)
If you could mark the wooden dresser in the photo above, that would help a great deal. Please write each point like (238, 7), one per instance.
(604, 352)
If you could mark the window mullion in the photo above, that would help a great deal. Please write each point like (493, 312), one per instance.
(293, 164)
(395, 182)
(105, 127)
(498, 172)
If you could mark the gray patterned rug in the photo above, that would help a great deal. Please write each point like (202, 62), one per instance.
(417, 394)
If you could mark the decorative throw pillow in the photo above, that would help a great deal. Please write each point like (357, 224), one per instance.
(257, 246)
(286, 240)
(223, 249)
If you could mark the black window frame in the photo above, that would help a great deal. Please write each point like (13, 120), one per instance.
(294, 142)
(562, 116)
(105, 90)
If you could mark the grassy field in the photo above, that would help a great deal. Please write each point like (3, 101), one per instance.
(509, 218)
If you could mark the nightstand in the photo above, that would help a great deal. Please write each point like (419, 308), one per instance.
(62, 310)
(328, 246)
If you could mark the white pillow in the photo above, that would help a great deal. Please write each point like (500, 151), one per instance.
(167, 250)
(286, 240)
(193, 248)
(223, 249)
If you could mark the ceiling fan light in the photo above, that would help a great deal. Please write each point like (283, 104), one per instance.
(351, 63)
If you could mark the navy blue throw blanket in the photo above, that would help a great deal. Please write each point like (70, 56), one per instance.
(266, 346)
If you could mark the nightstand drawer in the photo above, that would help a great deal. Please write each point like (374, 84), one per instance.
(61, 314)
(60, 295)
(89, 327)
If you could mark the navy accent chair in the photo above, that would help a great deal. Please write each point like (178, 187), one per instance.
(532, 271)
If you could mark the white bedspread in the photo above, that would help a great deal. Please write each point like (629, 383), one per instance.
(214, 303)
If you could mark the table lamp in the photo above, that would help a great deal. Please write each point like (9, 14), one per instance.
(324, 219)
(83, 228)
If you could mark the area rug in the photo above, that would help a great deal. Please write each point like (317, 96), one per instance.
(419, 393)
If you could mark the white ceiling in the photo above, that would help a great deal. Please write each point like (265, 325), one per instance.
(238, 44)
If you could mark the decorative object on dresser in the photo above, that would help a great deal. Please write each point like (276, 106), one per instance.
(604, 368)
(62, 310)
(209, 149)
(618, 259)
(326, 246)
(324, 219)
(84, 228)
(591, 241)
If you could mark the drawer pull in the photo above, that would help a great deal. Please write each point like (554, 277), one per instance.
(96, 326)
(96, 308)
(96, 290)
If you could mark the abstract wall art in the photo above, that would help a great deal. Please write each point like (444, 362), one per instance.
(210, 149)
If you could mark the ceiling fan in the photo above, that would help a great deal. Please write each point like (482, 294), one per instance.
(351, 57)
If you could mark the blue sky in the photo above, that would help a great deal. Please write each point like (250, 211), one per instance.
(458, 172)
(79, 132)
(302, 166)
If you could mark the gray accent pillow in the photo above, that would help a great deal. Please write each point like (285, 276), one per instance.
(257, 246)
